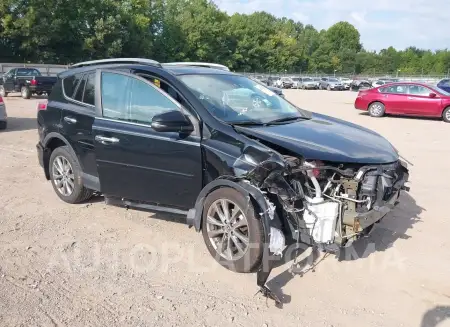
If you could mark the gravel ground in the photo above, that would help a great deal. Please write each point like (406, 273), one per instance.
(98, 265)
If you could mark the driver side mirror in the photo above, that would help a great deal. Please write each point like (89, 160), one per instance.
(432, 95)
(172, 121)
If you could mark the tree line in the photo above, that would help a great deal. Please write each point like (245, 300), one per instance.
(69, 31)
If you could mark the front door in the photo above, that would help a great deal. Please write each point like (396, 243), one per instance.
(420, 102)
(135, 162)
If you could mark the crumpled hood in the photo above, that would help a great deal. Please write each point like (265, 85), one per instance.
(328, 139)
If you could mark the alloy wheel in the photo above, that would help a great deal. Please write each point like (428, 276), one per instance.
(63, 176)
(376, 109)
(227, 229)
(447, 115)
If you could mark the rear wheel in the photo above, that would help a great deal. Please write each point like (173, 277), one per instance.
(376, 109)
(446, 115)
(3, 92)
(232, 231)
(25, 92)
(3, 125)
(65, 174)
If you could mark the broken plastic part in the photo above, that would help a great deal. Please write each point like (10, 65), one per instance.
(277, 241)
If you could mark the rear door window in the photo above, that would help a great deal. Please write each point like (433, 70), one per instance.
(397, 89)
(89, 90)
(80, 90)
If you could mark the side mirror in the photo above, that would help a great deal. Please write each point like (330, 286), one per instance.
(172, 121)
(432, 95)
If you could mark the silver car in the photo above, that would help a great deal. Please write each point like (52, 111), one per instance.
(330, 83)
(307, 83)
(3, 115)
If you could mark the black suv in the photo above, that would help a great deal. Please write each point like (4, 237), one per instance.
(245, 166)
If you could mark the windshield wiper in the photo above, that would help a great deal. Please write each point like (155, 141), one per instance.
(247, 123)
(285, 119)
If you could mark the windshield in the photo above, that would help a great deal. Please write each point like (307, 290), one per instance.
(333, 80)
(237, 99)
(295, 79)
(307, 79)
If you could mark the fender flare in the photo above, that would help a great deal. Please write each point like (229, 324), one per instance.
(47, 153)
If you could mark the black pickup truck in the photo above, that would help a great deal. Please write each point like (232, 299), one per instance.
(27, 81)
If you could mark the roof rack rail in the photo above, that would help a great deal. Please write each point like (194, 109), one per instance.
(117, 61)
(198, 64)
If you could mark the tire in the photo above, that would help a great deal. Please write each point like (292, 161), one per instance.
(376, 109)
(79, 192)
(3, 125)
(250, 259)
(25, 92)
(329, 88)
(446, 115)
(3, 93)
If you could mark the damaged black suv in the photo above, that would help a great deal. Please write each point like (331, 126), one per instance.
(246, 167)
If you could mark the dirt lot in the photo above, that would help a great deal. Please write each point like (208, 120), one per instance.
(98, 265)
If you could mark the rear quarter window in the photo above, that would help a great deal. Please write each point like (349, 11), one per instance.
(70, 84)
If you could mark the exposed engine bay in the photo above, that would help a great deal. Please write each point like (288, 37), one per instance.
(331, 204)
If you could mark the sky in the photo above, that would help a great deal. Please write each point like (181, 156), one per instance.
(381, 23)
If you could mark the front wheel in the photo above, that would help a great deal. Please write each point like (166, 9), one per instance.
(376, 109)
(25, 92)
(65, 174)
(232, 231)
(446, 115)
(329, 88)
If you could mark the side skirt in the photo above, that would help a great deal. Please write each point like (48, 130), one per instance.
(144, 206)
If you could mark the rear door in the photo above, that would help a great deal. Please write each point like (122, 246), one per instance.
(78, 114)
(420, 103)
(134, 161)
(395, 99)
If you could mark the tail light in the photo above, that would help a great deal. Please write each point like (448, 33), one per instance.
(1, 100)
(42, 105)
(33, 82)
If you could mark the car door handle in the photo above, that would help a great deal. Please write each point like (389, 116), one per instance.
(70, 120)
(106, 140)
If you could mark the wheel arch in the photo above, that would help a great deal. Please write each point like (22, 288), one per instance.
(443, 110)
(372, 102)
(51, 142)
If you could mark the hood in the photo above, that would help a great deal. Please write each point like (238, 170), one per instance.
(327, 139)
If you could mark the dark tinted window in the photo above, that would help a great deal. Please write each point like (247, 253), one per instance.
(80, 90)
(70, 83)
(89, 90)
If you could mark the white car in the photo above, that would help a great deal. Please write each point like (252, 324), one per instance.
(346, 82)
(3, 115)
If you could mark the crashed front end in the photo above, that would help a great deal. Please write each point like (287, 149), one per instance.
(325, 204)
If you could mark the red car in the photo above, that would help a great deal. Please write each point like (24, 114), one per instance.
(411, 99)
